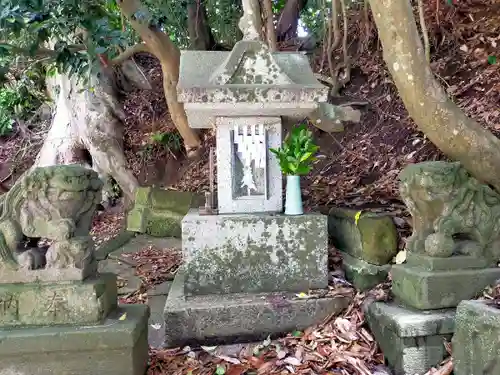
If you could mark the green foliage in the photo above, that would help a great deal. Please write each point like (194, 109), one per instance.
(297, 153)
(170, 140)
(67, 33)
(18, 100)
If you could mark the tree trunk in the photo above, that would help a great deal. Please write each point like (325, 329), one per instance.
(289, 20)
(200, 34)
(87, 129)
(442, 121)
(167, 52)
(269, 18)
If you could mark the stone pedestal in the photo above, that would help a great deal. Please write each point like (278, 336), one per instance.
(476, 343)
(428, 289)
(431, 283)
(411, 340)
(242, 275)
(112, 347)
(216, 319)
(72, 328)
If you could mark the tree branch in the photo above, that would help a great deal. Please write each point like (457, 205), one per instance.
(129, 52)
(270, 31)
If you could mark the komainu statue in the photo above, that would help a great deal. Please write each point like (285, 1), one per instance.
(56, 203)
(453, 213)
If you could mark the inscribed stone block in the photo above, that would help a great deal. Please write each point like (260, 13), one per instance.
(254, 253)
(71, 302)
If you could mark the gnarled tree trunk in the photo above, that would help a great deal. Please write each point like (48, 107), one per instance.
(87, 129)
(442, 121)
(159, 44)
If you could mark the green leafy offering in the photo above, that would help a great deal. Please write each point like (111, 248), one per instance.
(297, 153)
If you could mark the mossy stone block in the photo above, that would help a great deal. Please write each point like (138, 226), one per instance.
(115, 346)
(363, 235)
(412, 341)
(427, 290)
(363, 275)
(253, 253)
(70, 302)
(159, 212)
(476, 343)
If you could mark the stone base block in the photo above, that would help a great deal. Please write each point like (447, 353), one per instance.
(421, 289)
(476, 343)
(70, 302)
(364, 235)
(412, 341)
(159, 212)
(115, 347)
(363, 275)
(220, 319)
(253, 253)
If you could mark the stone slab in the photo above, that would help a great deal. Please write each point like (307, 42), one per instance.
(120, 240)
(361, 274)
(220, 319)
(364, 235)
(455, 262)
(75, 302)
(412, 341)
(8, 275)
(250, 253)
(476, 343)
(115, 347)
(424, 290)
(128, 282)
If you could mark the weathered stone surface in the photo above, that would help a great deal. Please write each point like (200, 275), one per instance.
(225, 84)
(457, 262)
(476, 343)
(361, 274)
(128, 281)
(423, 290)
(113, 244)
(372, 237)
(115, 347)
(57, 203)
(240, 317)
(412, 341)
(159, 212)
(72, 302)
(447, 205)
(254, 253)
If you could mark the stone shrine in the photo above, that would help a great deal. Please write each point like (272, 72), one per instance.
(57, 314)
(244, 261)
(452, 255)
